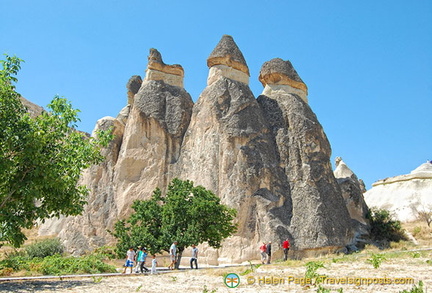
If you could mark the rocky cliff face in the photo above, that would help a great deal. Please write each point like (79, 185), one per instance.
(404, 195)
(268, 157)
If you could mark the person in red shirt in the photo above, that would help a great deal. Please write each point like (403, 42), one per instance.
(286, 247)
(263, 249)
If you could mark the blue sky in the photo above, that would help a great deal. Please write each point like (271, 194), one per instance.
(367, 64)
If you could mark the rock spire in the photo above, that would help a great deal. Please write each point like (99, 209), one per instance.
(269, 158)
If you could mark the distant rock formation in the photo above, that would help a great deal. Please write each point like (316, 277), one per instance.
(352, 191)
(403, 195)
(268, 157)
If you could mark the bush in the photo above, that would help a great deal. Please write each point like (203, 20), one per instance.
(384, 227)
(91, 264)
(45, 248)
(14, 261)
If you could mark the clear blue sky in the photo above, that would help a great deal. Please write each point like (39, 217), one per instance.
(367, 64)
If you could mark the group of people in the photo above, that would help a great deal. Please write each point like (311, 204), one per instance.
(266, 251)
(173, 256)
(140, 258)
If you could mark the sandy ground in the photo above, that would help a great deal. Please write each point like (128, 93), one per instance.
(279, 277)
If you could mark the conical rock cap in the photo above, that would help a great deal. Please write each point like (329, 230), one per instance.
(278, 71)
(227, 53)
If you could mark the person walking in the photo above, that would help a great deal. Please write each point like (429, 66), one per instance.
(263, 249)
(194, 257)
(286, 247)
(138, 260)
(143, 260)
(130, 258)
(173, 255)
(268, 251)
(154, 265)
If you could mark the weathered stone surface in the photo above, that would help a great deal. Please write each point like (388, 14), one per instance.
(158, 70)
(352, 191)
(229, 149)
(218, 71)
(277, 74)
(33, 109)
(268, 158)
(152, 139)
(227, 53)
(148, 135)
(319, 217)
(133, 87)
(83, 233)
(404, 195)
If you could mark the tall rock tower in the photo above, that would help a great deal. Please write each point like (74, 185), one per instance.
(268, 157)
(319, 216)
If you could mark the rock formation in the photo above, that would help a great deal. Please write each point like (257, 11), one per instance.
(268, 157)
(33, 109)
(404, 195)
(303, 153)
(352, 191)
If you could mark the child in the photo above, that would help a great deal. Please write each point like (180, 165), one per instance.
(130, 258)
(154, 264)
(139, 260)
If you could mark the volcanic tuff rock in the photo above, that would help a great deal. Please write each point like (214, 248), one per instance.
(404, 195)
(268, 157)
(352, 191)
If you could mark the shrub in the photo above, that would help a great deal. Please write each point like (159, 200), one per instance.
(311, 271)
(384, 227)
(91, 264)
(376, 260)
(415, 289)
(45, 248)
(417, 230)
(14, 261)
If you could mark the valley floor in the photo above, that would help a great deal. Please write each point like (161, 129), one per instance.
(401, 270)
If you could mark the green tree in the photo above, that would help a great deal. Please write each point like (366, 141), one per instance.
(41, 159)
(187, 214)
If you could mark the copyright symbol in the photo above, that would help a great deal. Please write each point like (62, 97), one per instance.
(250, 280)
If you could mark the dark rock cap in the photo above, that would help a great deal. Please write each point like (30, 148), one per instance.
(278, 71)
(134, 84)
(155, 62)
(227, 53)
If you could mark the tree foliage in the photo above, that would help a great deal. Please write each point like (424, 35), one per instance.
(41, 159)
(384, 227)
(187, 214)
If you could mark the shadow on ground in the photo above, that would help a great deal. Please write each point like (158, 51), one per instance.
(36, 286)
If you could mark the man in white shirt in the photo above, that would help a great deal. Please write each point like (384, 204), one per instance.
(173, 255)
